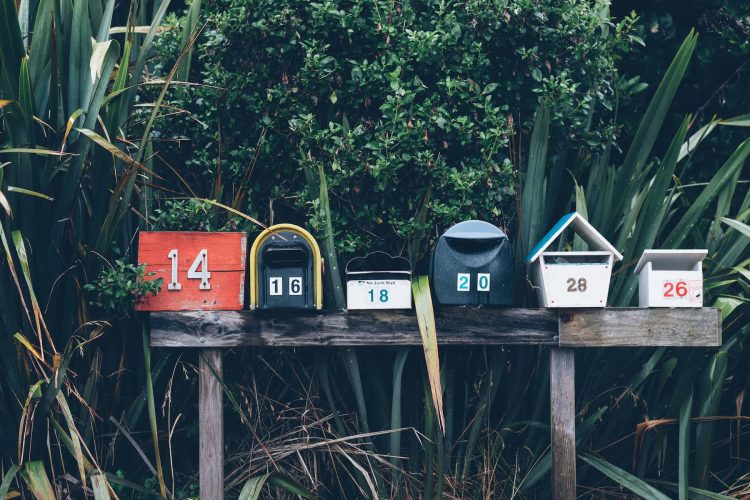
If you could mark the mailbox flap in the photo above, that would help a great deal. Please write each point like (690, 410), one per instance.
(285, 253)
(474, 230)
(378, 262)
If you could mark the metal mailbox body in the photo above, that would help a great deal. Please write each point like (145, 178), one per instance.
(670, 278)
(286, 269)
(573, 279)
(472, 264)
(378, 281)
(200, 271)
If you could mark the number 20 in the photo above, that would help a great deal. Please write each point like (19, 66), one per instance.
(204, 275)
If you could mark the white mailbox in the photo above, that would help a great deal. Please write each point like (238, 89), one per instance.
(378, 281)
(670, 278)
(568, 278)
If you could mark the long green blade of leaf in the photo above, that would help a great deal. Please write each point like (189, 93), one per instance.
(37, 480)
(625, 479)
(420, 287)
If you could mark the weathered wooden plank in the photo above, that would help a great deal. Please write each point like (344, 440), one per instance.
(226, 255)
(210, 425)
(621, 327)
(455, 326)
(562, 394)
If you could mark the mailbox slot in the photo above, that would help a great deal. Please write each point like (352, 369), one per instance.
(292, 256)
(473, 265)
(286, 270)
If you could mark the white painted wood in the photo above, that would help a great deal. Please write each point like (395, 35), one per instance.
(573, 284)
(671, 278)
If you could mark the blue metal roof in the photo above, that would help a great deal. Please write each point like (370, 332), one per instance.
(582, 227)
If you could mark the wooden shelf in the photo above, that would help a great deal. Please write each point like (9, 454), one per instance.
(610, 327)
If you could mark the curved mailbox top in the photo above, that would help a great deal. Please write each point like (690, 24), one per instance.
(286, 269)
(378, 281)
(376, 262)
(475, 230)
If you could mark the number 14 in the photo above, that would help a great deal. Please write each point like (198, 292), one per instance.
(204, 275)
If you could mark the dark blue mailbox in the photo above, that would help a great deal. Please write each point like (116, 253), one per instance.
(472, 264)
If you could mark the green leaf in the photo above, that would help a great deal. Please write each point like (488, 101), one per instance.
(100, 486)
(420, 287)
(632, 168)
(29, 192)
(398, 370)
(191, 25)
(684, 447)
(76, 442)
(533, 191)
(624, 479)
(10, 474)
(697, 208)
(140, 63)
(38, 482)
(11, 48)
(739, 226)
(254, 486)
(333, 276)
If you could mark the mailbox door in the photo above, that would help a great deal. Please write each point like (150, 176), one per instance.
(473, 272)
(379, 290)
(576, 285)
(285, 275)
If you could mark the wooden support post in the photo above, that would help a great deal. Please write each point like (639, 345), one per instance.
(211, 424)
(562, 422)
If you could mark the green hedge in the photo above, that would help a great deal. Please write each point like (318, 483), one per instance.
(391, 98)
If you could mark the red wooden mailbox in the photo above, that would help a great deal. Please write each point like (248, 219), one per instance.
(201, 271)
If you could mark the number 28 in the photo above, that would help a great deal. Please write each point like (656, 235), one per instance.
(577, 286)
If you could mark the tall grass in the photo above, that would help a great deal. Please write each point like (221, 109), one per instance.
(71, 180)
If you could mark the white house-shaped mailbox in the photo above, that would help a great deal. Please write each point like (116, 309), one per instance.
(378, 281)
(670, 278)
(573, 279)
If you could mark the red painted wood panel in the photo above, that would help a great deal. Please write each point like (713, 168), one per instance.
(227, 260)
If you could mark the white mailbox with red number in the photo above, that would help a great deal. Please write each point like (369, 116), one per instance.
(573, 278)
(671, 278)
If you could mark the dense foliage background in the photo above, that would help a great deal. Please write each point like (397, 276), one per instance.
(380, 124)
(393, 100)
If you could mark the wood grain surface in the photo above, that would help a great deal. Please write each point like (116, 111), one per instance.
(622, 327)
(562, 392)
(211, 425)
(455, 326)
(227, 260)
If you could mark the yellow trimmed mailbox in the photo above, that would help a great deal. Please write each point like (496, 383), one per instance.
(286, 270)
(569, 278)
(670, 278)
